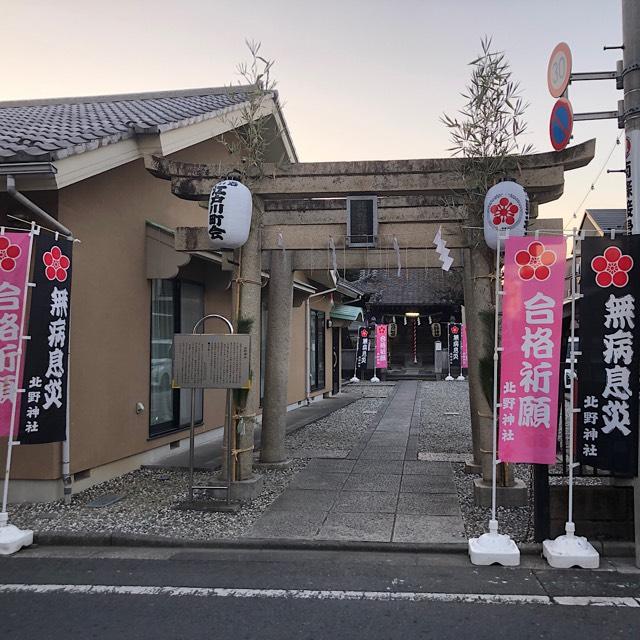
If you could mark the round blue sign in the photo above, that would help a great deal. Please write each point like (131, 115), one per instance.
(561, 124)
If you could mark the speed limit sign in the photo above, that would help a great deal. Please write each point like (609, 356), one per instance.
(559, 69)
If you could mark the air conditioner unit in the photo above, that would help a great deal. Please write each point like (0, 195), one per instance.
(362, 221)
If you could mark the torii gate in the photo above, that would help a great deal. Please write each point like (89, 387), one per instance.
(411, 207)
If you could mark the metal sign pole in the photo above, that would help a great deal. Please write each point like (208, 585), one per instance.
(228, 421)
(192, 433)
(229, 425)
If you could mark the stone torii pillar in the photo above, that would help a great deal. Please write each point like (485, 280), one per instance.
(276, 378)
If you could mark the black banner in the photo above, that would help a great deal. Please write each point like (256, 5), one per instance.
(455, 345)
(608, 368)
(43, 405)
(363, 348)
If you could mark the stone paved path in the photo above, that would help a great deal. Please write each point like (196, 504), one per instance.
(379, 493)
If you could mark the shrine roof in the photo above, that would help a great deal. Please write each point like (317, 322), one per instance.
(412, 286)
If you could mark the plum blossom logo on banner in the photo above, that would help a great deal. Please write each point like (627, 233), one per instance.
(535, 262)
(455, 330)
(56, 264)
(504, 212)
(9, 253)
(612, 268)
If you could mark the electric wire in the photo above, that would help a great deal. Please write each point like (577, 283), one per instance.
(592, 187)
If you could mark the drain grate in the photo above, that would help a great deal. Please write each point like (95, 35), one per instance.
(104, 501)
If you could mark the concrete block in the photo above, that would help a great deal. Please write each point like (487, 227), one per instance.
(432, 468)
(319, 480)
(382, 453)
(515, 496)
(472, 468)
(372, 482)
(287, 524)
(421, 528)
(240, 490)
(371, 527)
(331, 464)
(283, 465)
(304, 500)
(378, 466)
(427, 484)
(429, 504)
(366, 502)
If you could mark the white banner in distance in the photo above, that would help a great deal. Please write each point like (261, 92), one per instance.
(229, 214)
(506, 206)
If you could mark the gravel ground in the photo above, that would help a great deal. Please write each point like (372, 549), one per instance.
(444, 414)
(448, 437)
(339, 431)
(516, 521)
(149, 494)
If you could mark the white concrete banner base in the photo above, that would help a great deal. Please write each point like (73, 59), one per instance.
(494, 548)
(13, 539)
(568, 551)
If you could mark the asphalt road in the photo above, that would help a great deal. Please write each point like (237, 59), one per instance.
(58, 593)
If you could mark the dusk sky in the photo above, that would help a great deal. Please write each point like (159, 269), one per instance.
(359, 79)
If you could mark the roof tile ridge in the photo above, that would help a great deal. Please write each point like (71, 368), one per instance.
(123, 97)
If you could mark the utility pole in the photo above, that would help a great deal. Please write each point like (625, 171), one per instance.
(631, 87)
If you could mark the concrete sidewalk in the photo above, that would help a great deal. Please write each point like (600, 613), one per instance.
(379, 493)
(208, 456)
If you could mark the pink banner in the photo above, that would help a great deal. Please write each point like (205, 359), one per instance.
(534, 273)
(465, 354)
(381, 346)
(14, 265)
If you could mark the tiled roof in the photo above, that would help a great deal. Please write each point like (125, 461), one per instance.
(608, 219)
(412, 286)
(41, 130)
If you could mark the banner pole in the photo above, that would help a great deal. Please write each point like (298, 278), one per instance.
(494, 547)
(569, 550)
(12, 538)
(375, 354)
(570, 526)
(493, 525)
(355, 360)
(66, 443)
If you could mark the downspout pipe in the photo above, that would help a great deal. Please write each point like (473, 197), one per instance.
(51, 223)
(42, 217)
(307, 338)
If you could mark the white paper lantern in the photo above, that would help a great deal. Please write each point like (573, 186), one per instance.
(506, 206)
(229, 214)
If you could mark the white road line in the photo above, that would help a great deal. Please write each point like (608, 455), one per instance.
(597, 601)
(296, 594)
(308, 594)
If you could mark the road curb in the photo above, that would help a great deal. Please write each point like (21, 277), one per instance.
(119, 539)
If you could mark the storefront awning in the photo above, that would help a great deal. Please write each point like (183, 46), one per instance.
(346, 312)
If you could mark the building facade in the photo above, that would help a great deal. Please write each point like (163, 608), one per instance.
(131, 290)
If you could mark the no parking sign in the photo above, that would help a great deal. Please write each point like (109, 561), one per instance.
(561, 124)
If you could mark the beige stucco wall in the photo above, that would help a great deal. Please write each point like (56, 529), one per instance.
(110, 317)
(298, 374)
